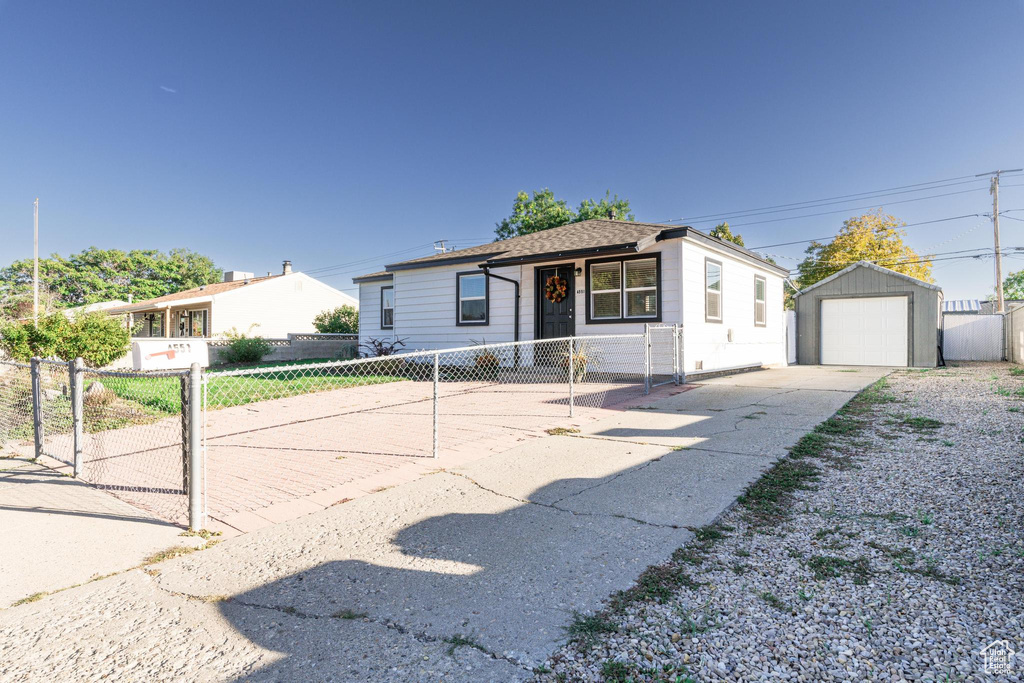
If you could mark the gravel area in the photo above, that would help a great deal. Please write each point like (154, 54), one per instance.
(888, 546)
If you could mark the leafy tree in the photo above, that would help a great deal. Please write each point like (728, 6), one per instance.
(542, 211)
(1013, 286)
(723, 232)
(105, 274)
(874, 237)
(97, 338)
(608, 207)
(342, 320)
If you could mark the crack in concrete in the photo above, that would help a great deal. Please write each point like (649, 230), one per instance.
(419, 636)
(552, 506)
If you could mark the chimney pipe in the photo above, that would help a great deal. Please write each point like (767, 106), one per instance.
(287, 268)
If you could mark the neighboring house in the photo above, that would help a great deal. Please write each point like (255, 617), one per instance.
(276, 304)
(869, 315)
(92, 308)
(617, 276)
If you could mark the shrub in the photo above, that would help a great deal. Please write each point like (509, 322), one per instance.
(97, 337)
(243, 348)
(375, 348)
(342, 320)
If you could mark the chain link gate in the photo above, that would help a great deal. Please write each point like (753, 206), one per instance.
(664, 352)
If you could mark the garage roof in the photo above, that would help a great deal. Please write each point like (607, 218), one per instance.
(873, 266)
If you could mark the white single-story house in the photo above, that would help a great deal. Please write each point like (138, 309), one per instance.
(614, 277)
(277, 305)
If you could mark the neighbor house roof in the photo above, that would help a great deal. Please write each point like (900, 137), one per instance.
(961, 306)
(868, 264)
(575, 239)
(369, 277)
(196, 292)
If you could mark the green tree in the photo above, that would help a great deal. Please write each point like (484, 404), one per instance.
(608, 207)
(542, 211)
(105, 274)
(341, 320)
(1013, 286)
(97, 338)
(874, 237)
(723, 232)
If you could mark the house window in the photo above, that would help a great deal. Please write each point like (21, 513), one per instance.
(760, 305)
(471, 298)
(193, 323)
(387, 308)
(713, 291)
(624, 289)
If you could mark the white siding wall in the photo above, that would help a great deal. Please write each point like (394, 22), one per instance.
(425, 304)
(709, 342)
(369, 312)
(281, 306)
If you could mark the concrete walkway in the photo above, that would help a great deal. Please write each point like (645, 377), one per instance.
(58, 532)
(500, 551)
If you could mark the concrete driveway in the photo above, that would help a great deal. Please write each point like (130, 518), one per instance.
(499, 552)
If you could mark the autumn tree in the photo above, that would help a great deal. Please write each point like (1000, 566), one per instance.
(543, 211)
(874, 237)
(723, 232)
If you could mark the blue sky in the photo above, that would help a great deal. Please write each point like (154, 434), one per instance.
(343, 133)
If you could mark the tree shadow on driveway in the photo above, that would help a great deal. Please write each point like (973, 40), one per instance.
(437, 558)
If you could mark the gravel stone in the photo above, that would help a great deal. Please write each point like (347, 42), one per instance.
(921, 527)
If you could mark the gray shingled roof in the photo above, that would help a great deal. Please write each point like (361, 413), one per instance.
(593, 236)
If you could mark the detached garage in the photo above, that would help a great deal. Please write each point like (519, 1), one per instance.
(869, 315)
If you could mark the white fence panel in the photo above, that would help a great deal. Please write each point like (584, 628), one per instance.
(790, 337)
(967, 336)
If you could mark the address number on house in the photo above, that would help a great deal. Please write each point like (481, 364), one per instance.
(169, 354)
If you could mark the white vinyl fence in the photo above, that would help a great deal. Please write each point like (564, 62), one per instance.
(972, 336)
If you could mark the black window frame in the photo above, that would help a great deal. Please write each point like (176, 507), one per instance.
(721, 291)
(458, 300)
(764, 283)
(623, 318)
(382, 290)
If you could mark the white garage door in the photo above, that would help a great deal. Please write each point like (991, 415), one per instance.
(864, 331)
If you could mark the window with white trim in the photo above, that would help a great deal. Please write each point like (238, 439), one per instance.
(472, 298)
(626, 289)
(760, 301)
(387, 308)
(712, 290)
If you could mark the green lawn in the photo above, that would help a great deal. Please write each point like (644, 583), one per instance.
(163, 394)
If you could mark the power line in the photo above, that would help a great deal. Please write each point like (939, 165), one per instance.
(816, 204)
(851, 208)
(896, 262)
(825, 199)
(908, 225)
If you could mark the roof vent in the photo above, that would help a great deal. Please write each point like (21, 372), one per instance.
(287, 269)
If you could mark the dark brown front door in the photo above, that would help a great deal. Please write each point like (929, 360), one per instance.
(555, 320)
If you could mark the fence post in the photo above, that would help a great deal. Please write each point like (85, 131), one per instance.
(77, 404)
(647, 358)
(675, 353)
(37, 406)
(436, 373)
(681, 336)
(572, 378)
(196, 513)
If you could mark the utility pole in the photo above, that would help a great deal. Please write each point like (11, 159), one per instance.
(994, 191)
(35, 264)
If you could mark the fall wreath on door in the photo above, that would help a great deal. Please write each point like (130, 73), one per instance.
(555, 289)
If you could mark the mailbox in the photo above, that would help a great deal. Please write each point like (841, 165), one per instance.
(169, 354)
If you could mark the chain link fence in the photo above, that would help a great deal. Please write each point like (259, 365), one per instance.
(181, 443)
(16, 409)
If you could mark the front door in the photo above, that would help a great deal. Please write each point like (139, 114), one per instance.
(555, 318)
